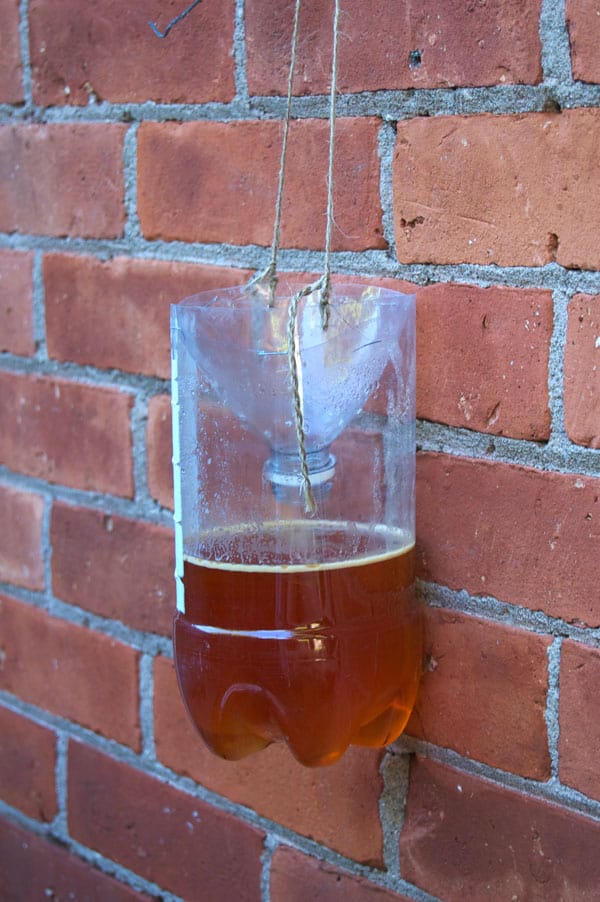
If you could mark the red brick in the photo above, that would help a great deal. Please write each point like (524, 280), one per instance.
(16, 317)
(21, 560)
(36, 868)
(11, 87)
(232, 195)
(459, 43)
(175, 840)
(483, 359)
(484, 694)
(296, 877)
(582, 371)
(524, 536)
(466, 838)
(579, 739)
(70, 670)
(66, 432)
(512, 190)
(116, 314)
(110, 52)
(336, 806)
(583, 23)
(359, 451)
(27, 762)
(118, 568)
(62, 179)
(160, 450)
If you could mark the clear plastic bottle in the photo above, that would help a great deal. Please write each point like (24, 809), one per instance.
(294, 625)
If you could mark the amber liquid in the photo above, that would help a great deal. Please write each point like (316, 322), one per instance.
(318, 655)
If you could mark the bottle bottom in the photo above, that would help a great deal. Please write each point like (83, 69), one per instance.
(319, 656)
(319, 691)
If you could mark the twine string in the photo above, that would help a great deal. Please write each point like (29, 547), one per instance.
(323, 284)
(269, 275)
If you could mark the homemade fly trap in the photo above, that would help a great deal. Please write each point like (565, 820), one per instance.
(294, 459)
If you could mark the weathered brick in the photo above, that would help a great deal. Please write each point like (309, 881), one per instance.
(70, 670)
(66, 432)
(232, 195)
(177, 841)
(21, 559)
(116, 313)
(296, 877)
(466, 838)
(512, 190)
(118, 568)
(16, 316)
(583, 23)
(484, 693)
(522, 535)
(482, 357)
(160, 450)
(336, 806)
(579, 738)
(111, 53)
(457, 43)
(11, 86)
(582, 371)
(27, 762)
(62, 179)
(35, 868)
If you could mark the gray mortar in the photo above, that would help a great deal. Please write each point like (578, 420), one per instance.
(132, 223)
(39, 307)
(392, 803)
(239, 54)
(386, 142)
(552, 705)
(554, 38)
(146, 682)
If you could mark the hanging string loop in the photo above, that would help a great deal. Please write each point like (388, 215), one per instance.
(323, 285)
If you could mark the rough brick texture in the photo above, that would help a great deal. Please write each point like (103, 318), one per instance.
(464, 838)
(160, 450)
(516, 533)
(171, 838)
(62, 179)
(36, 868)
(16, 315)
(66, 432)
(109, 52)
(137, 171)
(118, 568)
(582, 371)
(580, 718)
(536, 172)
(311, 801)
(583, 23)
(296, 877)
(11, 74)
(70, 670)
(457, 44)
(483, 359)
(21, 560)
(232, 197)
(116, 313)
(27, 763)
(476, 665)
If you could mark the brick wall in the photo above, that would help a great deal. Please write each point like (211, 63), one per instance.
(134, 171)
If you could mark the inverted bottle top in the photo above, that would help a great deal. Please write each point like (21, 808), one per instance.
(239, 343)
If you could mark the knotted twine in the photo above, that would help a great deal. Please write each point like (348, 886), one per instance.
(323, 284)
